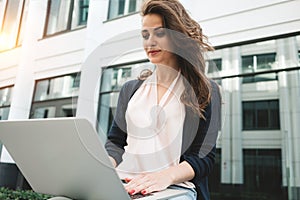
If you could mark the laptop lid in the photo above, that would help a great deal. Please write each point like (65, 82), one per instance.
(62, 156)
(65, 157)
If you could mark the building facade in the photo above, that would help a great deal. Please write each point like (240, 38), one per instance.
(70, 58)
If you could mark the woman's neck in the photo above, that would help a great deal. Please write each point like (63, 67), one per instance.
(165, 74)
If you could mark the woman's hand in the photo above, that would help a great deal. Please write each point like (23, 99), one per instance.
(157, 181)
(147, 183)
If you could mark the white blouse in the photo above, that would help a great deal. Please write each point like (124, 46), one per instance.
(154, 130)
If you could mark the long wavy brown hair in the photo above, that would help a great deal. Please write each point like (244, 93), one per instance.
(190, 46)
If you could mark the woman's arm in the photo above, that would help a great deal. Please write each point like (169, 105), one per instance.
(116, 141)
(201, 153)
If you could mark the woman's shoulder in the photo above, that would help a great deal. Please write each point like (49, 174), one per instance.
(129, 88)
(132, 84)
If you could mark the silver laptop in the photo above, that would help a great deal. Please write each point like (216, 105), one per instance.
(65, 157)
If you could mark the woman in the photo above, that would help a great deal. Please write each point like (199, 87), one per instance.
(161, 135)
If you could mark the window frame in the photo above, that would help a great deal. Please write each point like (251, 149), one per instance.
(215, 63)
(255, 58)
(255, 124)
(255, 68)
(18, 30)
(126, 9)
(258, 165)
(107, 93)
(82, 8)
(9, 103)
(58, 102)
(71, 25)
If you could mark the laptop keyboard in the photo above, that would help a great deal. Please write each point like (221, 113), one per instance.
(139, 195)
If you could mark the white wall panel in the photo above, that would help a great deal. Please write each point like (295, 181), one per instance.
(235, 21)
(270, 139)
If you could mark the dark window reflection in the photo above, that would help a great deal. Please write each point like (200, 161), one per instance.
(261, 115)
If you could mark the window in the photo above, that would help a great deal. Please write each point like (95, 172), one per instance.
(119, 8)
(13, 25)
(23, 22)
(214, 68)
(214, 65)
(261, 115)
(259, 166)
(111, 82)
(5, 101)
(66, 15)
(56, 97)
(258, 63)
(83, 12)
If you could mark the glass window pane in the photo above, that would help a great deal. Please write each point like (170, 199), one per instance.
(9, 31)
(4, 113)
(248, 115)
(112, 80)
(265, 61)
(112, 9)
(105, 113)
(274, 115)
(5, 96)
(42, 90)
(262, 62)
(44, 112)
(83, 12)
(265, 77)
(121, 7)
(262, 114)
(262, 119)
(56, 97)
(60, 87)
(58, 16)
(23, 22)
(79, 13)
(247, 64)
(2, 9)
(65, 107)
(132, 6)
(68, 110)
(214, 65)
(259, 166)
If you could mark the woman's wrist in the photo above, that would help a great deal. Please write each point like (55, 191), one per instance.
(180, 173)
(170, 175)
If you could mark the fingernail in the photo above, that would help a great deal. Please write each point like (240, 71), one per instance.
(127, 180)
(131, 192)
(143, 191)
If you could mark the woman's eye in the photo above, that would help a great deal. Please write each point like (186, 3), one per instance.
(145, 36)
(160, 34)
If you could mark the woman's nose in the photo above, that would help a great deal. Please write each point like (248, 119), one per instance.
(151, 41)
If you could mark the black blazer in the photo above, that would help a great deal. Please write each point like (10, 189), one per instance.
(198, 142)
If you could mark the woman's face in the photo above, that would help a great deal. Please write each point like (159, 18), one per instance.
(156, 43)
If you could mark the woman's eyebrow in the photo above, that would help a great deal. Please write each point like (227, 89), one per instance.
(158, 28)
(154, 28)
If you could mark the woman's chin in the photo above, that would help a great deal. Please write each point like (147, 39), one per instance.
(155, 61)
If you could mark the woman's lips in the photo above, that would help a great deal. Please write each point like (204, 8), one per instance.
(153, 52)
